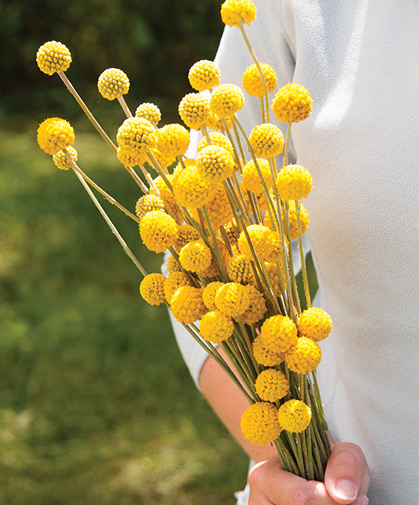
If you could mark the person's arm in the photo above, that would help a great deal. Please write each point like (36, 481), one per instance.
(347, 473)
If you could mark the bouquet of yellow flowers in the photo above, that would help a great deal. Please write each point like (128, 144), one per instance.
(228, 218)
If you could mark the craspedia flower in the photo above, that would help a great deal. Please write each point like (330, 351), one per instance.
(130, 160)
(292, 218)
(158, 231)
(216, 327)
(259, 423)
(257, 306)
(304, 356)
(264, 241)
(149, 111)
(112, 83)
(61, 160)
(136, 135)
(163, 160)
(294, 182)
(278, 333)
(186, 234)
(203, 75)
(195, 256)
(190, 189)
(55, 134)
(271, 385)
(148, 203)
(173, 140)
(253, 83)
(265, 356)
(250, 175)
(232, 232)
(173, 265)
(164, 192)
(274, 248)
(292, 103)
(232, 299)
(187, 305)
(215, 163)
(226, 100)
(235, 12)
(209, 293)
(314, 323)
(274, 277)
(193, 110)
(239, 269)
(294, 416)
(53, 57)
(152, 288)
(212, 270)
(217, 139)
(218, 207)
(173, 282)
(266, 140)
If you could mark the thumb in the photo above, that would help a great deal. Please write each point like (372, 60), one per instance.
(347, 475)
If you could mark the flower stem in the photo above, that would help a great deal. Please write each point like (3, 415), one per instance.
(124, 106)
(90, 116)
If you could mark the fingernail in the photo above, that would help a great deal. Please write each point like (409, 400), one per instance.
(346, 490)
(365, 501)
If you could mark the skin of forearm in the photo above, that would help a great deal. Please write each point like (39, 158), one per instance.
(229, 403)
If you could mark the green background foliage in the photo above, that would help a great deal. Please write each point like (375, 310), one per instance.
(96, 405)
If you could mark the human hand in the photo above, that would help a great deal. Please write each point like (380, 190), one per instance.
(346, 481)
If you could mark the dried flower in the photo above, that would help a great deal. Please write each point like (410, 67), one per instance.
(235, 12)
(175, 281)
(259, 423)
(148, 203)
(314, 323)
(226, 100)
(265, 356)
(112, 83)
(204, 75)
(278, 333)
(173, 140)
(294, 182)
(209, 293)
(266, 140)
(239, 269)
(250, 175)
(294, 416)
(152, 288)
(253, 83)
(271, 385)
(149, 111)
(187, 305)
(304, 356)
(55, 134)
(61, 160)
(158, 231)
(190, 189)
(195, 256)
(215, 163)
(53, 57)
(232, 299)
(193, 109)
(257, 306)
(292, 103)
(216, 327)
(136, 136)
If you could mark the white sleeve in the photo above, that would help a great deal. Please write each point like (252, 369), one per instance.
(269, 42)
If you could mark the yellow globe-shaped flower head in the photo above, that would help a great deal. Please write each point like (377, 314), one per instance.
(203, 75)
(293, 220)
(292, 103)
(112, 83)
(209, 294)
(195, 256)
(265, 356)
(278, 333)
(148, 203)
(257, 306)
(265, 242)
(259, 423)
(217, 139)
(61, 160)
(304, 356)
(149, 111)
(53, 57)
(239, 269)
(314, 323)
(232, 299)
(235, 12)
(216, 327)
(186, 234)
(215, 163)
(136, 136)
(190, 189)
(158, 231)
(187, 305)
(271, 385)
(226, 100)
(294, 416)
(253, 83)
(175, 281)
(55, 134)
(250, 175)
(194, 109)
(152, 288)
(266, 140)
(173, 140)
(294, 182)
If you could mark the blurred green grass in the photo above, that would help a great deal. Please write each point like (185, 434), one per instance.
(96, 405)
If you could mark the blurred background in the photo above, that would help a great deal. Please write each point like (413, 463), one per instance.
(96, 405)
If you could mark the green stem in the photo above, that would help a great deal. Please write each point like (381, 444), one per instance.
(302, 256)
(124, 106)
